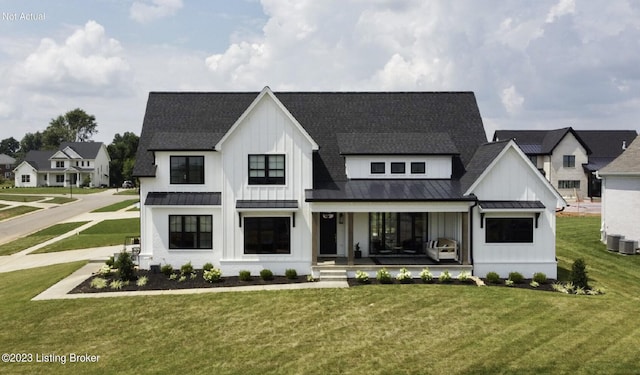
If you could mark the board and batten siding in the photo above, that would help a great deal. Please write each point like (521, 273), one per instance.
(513, 179)
(436, 167)
(266, 130)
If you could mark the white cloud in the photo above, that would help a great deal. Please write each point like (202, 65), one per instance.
(511, 99)
(148, 11)
(563, 7)
(87, 62)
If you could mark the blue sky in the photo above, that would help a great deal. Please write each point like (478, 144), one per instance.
(532, 64)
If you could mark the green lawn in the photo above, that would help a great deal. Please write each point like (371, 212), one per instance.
(51, 190)
(377, 329)
(16, 211)
(117, 206)
(3, 205)
(20, 198)
(60, 200)
(38, 237)
(106, 233)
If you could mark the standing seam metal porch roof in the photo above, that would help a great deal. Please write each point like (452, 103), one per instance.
(389, 190)
(183, 199)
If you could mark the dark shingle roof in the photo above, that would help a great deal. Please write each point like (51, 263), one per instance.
(388, 190)
(545, 141)
(322, 115)
(396, 143)
(485, 154)
(40, 159)
(6, 159)
(606, 143)
(183, 199)
(266, 204)
(88, 150)
(627, 163)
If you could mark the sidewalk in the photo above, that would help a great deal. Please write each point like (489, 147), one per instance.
(25, 260)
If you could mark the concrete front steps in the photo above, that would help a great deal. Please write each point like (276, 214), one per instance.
(334, 274)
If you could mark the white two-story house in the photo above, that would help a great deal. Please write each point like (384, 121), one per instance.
(302, 180)
(75, 163)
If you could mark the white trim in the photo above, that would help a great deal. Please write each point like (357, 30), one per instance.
(511, 144)
(266, 91)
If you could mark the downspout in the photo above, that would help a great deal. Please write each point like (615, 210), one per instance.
(475, 204)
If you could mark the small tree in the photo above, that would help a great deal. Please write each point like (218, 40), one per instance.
(126, 268)
(579, 274)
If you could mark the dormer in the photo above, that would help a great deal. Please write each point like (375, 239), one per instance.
(397, 155)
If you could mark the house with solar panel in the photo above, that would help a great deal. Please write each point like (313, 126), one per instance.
(570, 159)
(326, 182)
(73, 163)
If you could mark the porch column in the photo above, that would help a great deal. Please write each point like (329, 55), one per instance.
(350, 238)
(464, 248)
(315, 236)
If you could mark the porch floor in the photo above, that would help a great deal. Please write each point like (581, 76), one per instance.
(386, 261)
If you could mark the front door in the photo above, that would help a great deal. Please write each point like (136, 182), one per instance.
(328, 233)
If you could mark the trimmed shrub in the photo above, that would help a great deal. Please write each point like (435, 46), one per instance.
(579, 276)
(167, 270)
(383, 276)
(464, 276)
(244, 275)
(126, 268)
(186, 269)
(207, 266)
(111, 262)
(493, 278)
(291, 274)
(540, 278)
(212, 275)
(445, 277)
(516, 277)
(266, 274)
(404, 276)
(426, 275)
(362, 277)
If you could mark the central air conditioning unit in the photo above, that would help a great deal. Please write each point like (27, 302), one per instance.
(613, 242)
(628, 247)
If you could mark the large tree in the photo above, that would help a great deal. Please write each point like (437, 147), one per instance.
(123, 155)
(30, 141)
(9, 146)
(73, 126)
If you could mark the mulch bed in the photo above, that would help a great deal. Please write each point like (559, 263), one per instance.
(159, 281)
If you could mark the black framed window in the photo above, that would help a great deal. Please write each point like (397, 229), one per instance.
(60, 178)
(266, 170)
(59, 164)
(190, 232)
(569, 184)
(187, 170)
(418, 168)
(26, 178)
(509, 230)
(569, 161)
(391, 232)
(267, 235)
(377, 168)
(398, 168)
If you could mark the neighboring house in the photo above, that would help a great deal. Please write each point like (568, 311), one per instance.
(6, 166)
(621, 194)
(249, 181)
(75, 163)
(570, 158)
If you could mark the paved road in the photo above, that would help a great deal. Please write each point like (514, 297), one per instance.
(21, 226)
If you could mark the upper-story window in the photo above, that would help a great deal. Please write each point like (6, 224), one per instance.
(569, 161)
(418, 168)
(377, 168)
(398, 168)
(187, 169)
(266, 170)
(60, 164)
